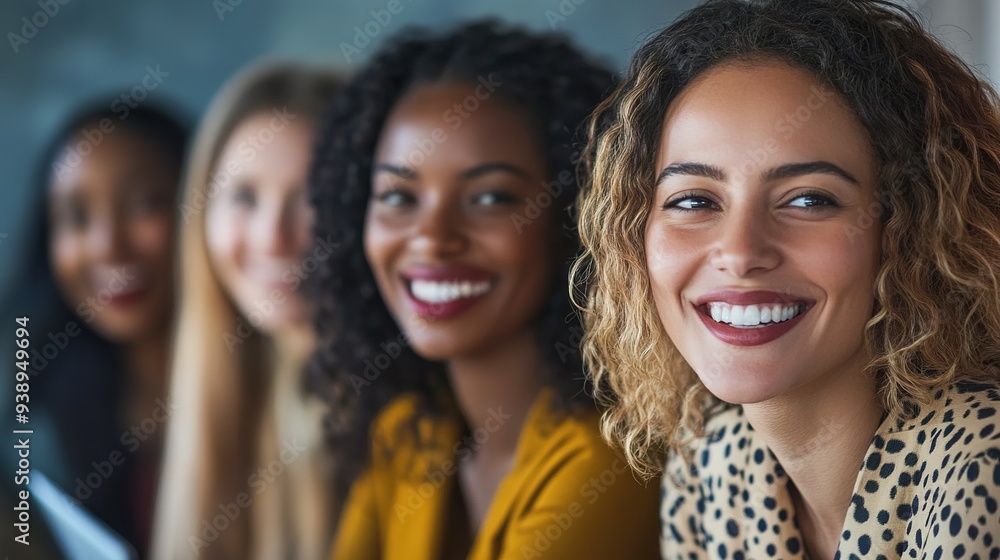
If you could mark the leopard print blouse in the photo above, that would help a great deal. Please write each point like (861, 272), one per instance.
(928, 488)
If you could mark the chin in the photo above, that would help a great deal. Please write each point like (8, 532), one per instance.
(744, 387)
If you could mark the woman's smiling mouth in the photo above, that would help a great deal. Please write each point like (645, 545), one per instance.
(750, 318)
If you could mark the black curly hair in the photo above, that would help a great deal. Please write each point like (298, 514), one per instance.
(541, 73)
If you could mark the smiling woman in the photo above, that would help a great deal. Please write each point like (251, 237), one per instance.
(805, 195)
(476, 437)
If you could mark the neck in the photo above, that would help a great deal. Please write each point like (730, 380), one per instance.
(498, 385)
(820, 434)
(146, 364)
(294, 342)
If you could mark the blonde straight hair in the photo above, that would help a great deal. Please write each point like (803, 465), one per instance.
(238, 395)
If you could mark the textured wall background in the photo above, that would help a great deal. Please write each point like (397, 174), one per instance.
(100, 49)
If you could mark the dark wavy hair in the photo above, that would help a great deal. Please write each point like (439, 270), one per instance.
(934, 126)
(541, 73)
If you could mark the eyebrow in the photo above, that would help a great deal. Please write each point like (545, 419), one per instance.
(694, 169)
(809, 168)
(493, 167)
(404, 172)
(786, 171)
(472, 173)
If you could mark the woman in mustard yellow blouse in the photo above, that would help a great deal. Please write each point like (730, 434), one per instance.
(448, 344)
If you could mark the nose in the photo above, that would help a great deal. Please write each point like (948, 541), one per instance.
(276, 228)
(107, 239)
(438, 230)
(745, 245)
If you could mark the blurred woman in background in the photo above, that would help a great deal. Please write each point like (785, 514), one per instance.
(245, 475)
(100, 299)
(461, 418)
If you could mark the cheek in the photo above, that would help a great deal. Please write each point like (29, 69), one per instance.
(667, 260)
(224, 238)
(68, 263)
(153, 240)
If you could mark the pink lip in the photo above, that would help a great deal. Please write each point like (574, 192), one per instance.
(755, 336)
(128, 299)
(438, 311)
(748, 336)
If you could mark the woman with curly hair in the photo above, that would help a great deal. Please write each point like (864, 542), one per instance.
(792, 269)
(460, 412)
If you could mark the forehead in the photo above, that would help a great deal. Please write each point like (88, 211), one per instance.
(263, 144)
(99, 160)
(454, 123)
(761, 112)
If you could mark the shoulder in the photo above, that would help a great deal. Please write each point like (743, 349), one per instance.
(950, 452)
(725, 443)
(961, 420)
(405, 439)
(561, 435)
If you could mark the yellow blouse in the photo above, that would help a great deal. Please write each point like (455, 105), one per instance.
(567, 495)
(927, 488)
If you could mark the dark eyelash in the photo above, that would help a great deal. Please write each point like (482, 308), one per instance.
(829, 201)
(500, 196)
(680, 197)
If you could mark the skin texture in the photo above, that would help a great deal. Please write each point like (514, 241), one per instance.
(748, 232)
(453, 207)
(257, 228)
(112, 234)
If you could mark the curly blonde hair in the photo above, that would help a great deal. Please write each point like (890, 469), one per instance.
(935, 129)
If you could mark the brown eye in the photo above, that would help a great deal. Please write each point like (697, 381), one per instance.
(244, 196)
(492, 198)
(395, 197)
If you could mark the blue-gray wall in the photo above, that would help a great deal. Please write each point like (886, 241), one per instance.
(98, 49)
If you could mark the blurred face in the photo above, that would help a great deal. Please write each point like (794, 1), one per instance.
(457, 262)
(762, 243)
(257, 227)
(111, 215)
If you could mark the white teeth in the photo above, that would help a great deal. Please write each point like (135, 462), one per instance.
(736, 315)
(752, 315)
(765, 314)
(444, 292)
